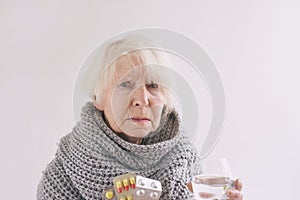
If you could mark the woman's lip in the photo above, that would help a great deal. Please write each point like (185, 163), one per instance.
(140, 119)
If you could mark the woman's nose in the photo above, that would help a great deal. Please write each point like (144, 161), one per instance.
(140, 97)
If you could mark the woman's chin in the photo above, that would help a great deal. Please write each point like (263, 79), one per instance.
(137, 133)
(137, 130)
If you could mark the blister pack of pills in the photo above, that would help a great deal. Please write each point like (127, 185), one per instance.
(133, 187)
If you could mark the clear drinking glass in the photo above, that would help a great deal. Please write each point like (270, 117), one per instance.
(211, 179)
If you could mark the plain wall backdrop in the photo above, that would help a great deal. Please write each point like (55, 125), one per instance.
(254, 44)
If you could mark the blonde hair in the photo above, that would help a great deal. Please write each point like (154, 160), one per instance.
(132, 51)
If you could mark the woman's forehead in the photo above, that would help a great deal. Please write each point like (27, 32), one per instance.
(139, 65)
(147, 73)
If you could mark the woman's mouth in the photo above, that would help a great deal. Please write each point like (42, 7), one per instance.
(140, 120)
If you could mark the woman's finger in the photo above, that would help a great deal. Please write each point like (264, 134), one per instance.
(234, 194)
(238, 185)
(190, 186)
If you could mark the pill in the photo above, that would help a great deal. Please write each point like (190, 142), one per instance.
(129, 197)
(109, 194)
(153, 195)
(140, 192)
(132, 182)
(119, 186)
(125, 184)
(153, 184)
(141, 182)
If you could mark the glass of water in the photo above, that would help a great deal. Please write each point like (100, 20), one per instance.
(211, 179)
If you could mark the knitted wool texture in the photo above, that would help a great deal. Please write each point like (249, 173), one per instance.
(91, 155)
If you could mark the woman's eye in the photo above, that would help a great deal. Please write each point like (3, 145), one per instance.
(125, 84)
(153, 85)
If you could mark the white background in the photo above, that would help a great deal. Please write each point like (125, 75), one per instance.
(254, 44)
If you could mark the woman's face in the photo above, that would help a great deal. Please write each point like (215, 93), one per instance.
(133, 102)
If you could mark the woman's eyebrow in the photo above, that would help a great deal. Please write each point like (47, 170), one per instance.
(127, 78)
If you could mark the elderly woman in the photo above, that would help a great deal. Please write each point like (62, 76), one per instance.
(131, 126)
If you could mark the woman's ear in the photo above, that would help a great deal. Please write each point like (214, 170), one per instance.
(98, 105)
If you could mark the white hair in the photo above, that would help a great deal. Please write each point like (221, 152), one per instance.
(133, 51)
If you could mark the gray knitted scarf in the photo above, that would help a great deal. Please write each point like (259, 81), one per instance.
(92, 154)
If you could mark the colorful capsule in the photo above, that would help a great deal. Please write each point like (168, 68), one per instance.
(119, 186)
(125, 184)
(132, 182)
(129, 197)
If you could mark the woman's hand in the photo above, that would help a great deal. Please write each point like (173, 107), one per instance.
(235, 194)
(232, 194)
